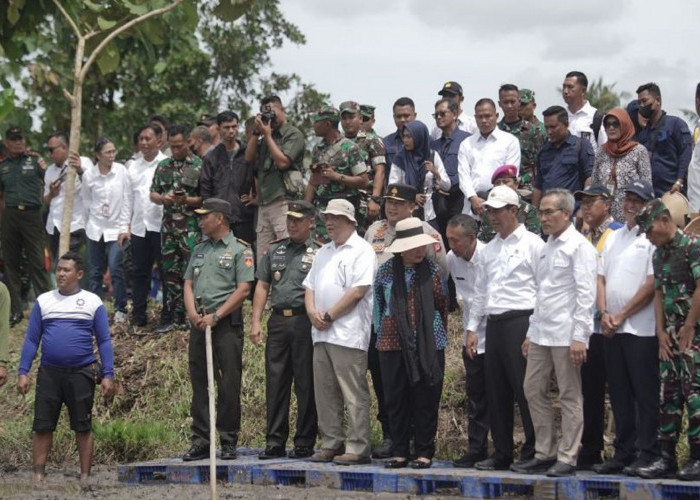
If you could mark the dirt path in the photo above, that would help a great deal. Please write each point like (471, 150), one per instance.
(64, 484)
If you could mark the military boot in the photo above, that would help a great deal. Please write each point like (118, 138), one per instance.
(664, 466)
(691, 470)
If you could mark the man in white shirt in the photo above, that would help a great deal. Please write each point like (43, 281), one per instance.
(505, 297)
(558, 336)
(55, 193)
(625, 294)
(584, 120)
(146, 219)
(339, 304)
(462, 261)
(694, 167)
(453, 90)
(481, 154)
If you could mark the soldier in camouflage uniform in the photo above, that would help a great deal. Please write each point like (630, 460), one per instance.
(507, 175)
(367, 112)
(373, 154)
(677, 303)
(531, 137)
(338, 170)
(176, 187)
(527, 109)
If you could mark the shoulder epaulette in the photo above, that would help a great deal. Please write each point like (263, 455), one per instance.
(243, 242)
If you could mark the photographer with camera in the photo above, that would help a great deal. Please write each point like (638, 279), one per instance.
(277, 150)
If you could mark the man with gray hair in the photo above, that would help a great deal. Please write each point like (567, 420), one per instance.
(200, 141)
(339, 304)
(557, 338)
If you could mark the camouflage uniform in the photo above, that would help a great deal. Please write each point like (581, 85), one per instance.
(531, 138)
(346, 159)
(372, 151)
(527, 214)
(180, 231)
(676, 269)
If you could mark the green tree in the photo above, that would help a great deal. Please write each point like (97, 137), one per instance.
(603, 96)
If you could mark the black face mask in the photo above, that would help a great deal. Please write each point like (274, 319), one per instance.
(646, 111)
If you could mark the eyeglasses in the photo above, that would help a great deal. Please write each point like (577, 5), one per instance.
(550, 211)
(440, 114)
(612, 124)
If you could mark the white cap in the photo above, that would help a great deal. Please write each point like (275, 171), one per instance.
(500, 196)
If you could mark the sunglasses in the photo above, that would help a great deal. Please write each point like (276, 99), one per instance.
(440, 114)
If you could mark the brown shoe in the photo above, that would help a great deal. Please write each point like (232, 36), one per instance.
(326, 454)
(351, 459)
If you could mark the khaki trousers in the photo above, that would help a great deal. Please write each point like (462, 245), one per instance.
(340, 382)
(272, 226)
(541, 362)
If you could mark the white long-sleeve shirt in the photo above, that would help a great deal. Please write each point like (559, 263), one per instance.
(396, 175)
(463, 273)
(107, 199)
(566, 287)
(55, 215)
(145, 215)
(506, 275)
(581, 123)
(479, 157)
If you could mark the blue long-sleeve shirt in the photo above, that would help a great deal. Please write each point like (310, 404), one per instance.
(64, 325)
(670, 146)
(565, 166)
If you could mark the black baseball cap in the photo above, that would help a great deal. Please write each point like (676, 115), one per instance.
(641, 188)
(593, 190)
(14, 133)
(451, 88)
(401, 192)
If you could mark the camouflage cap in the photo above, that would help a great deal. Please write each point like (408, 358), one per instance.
(647, 215)
(300, 209)
(367, 110)
(326, 112)
(349, 107)
(526, 96)
(14, 133)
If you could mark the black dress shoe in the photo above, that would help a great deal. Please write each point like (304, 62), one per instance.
(492, 463)
(301, 452)
(659, 468)
(16, 318)
(467, 461)
(631, 469)
(228, 452)
(690, 471)
(395, 464)
(612, 466)
(196, 452)
(533, 466)
(273, 452)
(421, 464)
(587, 462)
(560, 469)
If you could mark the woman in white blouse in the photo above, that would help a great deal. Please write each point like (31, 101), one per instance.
(107, 198)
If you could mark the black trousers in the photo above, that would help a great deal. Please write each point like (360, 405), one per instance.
(413, 411)
(593, 390)
(376, 373)
(505, 374)
(477, 409)
(23, 229)
(227, 347)
(632, 366)
(289, 356)
(145, 251)
(77, 241)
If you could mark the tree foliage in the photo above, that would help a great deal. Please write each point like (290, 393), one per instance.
(603, 96)
(191, 62)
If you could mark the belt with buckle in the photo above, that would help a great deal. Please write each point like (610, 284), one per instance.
(26, 208)
(288, 312)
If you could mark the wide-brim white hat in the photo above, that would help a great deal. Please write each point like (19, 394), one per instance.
(409, 235)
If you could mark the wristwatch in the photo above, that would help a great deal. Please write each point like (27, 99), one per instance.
(327, 317)
(216, 318)
(377, 199)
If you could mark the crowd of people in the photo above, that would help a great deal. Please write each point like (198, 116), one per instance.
(551, 236)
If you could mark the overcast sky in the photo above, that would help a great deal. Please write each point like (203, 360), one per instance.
(374, 51)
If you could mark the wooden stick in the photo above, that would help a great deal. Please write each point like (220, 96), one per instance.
(212, 413)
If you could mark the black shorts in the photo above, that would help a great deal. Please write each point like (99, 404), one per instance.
(73, 386)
